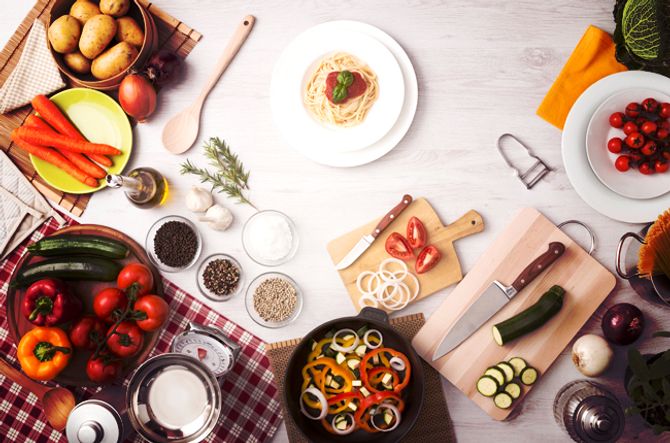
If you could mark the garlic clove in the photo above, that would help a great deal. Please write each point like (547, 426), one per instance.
(218, 218)
(199, 199)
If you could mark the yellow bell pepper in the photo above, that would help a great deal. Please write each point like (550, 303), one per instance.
(44, 352)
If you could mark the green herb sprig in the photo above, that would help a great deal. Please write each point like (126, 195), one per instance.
(230, 178)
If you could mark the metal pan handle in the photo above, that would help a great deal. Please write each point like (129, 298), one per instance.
(586, 227)
(374, 314)
(619, 270)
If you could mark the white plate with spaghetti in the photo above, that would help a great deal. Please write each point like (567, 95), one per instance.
(306, 81)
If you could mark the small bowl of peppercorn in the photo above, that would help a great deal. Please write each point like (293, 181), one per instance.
(220, 277)
(273, 300)
(173, 243)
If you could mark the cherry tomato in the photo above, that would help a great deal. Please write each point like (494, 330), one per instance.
(649, 148)
(664, 111)
(633, 109)
(645, 168)
(662, 133)
(649, 105)
(102, 369)
(666, 155)
(661, 166)
(640, 121)
(663, 124)
(397, 246)
(614, 145)
(629, 128)
(622, 163)
(635, 140)
(648, 128)
(138, 276)
(416, 233)
(428, 258)
(87, 332)
(155, 310)
(616, 119)
(126, 341)
(107, 302)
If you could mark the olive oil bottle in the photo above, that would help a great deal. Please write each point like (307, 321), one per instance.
(144, 187)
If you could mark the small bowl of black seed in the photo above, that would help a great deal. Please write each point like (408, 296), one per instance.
(219, 277)
(173, 243)
(273, 300)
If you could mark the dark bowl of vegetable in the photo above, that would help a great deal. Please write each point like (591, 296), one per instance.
(368, 374)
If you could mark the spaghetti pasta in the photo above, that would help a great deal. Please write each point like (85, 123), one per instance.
(349, 112)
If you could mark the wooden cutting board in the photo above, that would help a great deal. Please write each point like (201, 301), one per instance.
(447, 271)
(586, 282)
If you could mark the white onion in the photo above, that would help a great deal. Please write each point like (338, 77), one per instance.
(322, 401)
(367, 342)
(592, 355)
(387, 287)
(383, 265)
(361, 277)
(349, 430)
(335, 346)
(391, 408)
(397, 363)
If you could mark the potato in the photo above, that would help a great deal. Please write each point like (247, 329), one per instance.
(64, 34)
(116, 8)
(127, 30)
(98, 31)
(113, 61)
(82, 10)
(77, 62)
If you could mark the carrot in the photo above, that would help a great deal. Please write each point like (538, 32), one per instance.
(52, 156)
(58, 141)
(79, 160)
(50, 112)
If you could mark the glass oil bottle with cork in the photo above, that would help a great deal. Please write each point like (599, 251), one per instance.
(144, 187)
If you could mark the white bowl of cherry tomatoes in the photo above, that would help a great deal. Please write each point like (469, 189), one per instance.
(628, 143)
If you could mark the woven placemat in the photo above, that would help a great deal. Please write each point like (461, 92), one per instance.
(173, 35)
(434, 423)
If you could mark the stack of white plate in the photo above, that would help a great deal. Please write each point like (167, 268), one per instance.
(387, 121)
(629, 197)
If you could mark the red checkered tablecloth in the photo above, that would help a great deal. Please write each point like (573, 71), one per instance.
(250, 412)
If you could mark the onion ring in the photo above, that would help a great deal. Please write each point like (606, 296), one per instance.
(347, 431)
(388, 287)
(368, 298)
(383, 265)
(367, 342)
(322, 401)
(336, 347)
(397, 363)
(391, 408)
(362, 276)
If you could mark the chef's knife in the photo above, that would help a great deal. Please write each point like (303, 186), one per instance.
(365, 242)
(493, 299)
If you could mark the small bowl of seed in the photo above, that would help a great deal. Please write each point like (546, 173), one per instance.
(220, 277)
(273, 300)
(173, 243)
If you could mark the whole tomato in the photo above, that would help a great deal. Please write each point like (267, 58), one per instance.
(154, 311)
(87, 332)
(138, 276)
(102, 369)
(126, 341)
(107, 302)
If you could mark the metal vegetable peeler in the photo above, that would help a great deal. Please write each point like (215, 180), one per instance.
(535, 173)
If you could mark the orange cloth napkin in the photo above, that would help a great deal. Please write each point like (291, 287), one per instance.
(592, 59)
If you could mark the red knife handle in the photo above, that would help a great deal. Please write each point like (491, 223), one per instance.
(392, 215)
(556, 249)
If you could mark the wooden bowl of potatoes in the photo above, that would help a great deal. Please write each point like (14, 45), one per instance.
(95, 43)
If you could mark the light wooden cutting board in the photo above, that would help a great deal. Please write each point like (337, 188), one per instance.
(586, 282)
(447, 271)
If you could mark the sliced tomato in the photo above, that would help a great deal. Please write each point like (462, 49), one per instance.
(428, 258)
(397, 246)
(416, 233)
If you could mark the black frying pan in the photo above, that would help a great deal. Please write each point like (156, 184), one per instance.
(412, 395)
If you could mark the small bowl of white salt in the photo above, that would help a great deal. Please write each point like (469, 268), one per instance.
(269, 238)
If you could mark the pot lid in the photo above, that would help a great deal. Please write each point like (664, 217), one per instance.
(208, 345)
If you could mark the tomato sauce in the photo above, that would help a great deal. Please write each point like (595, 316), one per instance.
(355, 89)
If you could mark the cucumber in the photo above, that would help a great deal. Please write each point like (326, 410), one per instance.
(487, 386)
(503, 400)
(507, 369)
(518, 364)
(528, 376)
(531, 319)
(497, 374)
(67, 245)
(68, 268)
(513, 389)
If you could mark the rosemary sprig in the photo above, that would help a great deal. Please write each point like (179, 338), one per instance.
(230, 177)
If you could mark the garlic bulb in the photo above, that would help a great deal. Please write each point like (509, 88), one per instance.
(218, 218)
(198, 199)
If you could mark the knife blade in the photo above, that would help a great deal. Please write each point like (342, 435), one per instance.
(366, 241)
(493, 299)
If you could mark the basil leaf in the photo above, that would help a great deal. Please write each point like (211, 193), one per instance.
(345, 78)
(339, 93)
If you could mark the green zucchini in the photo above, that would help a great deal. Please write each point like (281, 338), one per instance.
(67, 245)
(513, 389)
(487, 386)
(507, 369)
(531, 319)
(503, 400)
(497, 374)
(518, 364)
(528, 376)
(68, 268)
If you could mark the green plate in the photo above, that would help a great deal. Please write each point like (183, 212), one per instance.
(101, 120)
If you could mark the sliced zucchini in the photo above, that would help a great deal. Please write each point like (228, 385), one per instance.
(518, 364)
(314, 343)
(356, 383)
(339, 358)
(361, 331)
(364, 392)
(507, 369)
(353, 363)
(487, 386)
(386, 378)
(503, 400)
(360, 351)
(528, 375)
(513, 389)
(497, 374)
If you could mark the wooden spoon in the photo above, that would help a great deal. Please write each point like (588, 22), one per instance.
(181, 131)
(57, 403)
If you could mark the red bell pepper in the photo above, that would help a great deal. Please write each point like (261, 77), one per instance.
(48, 302)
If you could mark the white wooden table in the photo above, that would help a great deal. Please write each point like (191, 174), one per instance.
(483, 67)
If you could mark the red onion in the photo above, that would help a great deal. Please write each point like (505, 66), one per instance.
(623, 324)
(162, 67)
(137, 97)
